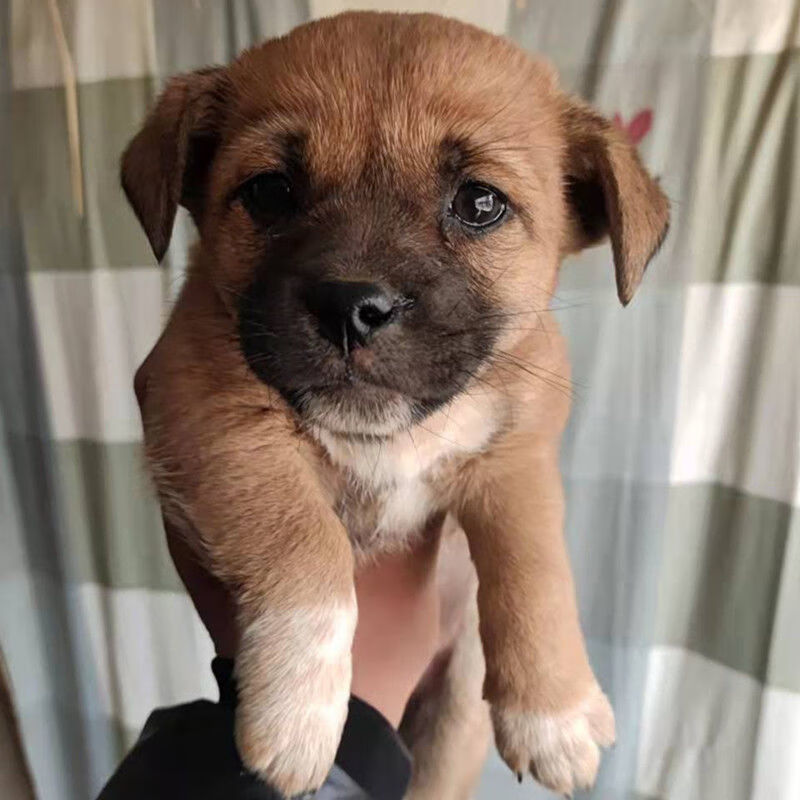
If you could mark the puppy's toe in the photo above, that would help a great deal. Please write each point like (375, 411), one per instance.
(601, 719)
(561, 751)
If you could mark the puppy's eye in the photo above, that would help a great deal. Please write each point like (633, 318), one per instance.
(268, 197)
(478, 206)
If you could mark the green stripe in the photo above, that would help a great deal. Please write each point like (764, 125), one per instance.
(107, 522)
(112, 520)
(783, 669)
(55, 237)
(725, 588)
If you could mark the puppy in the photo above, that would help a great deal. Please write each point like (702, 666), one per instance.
(362, 356)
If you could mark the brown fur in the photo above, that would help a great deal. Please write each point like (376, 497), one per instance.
(379, 101)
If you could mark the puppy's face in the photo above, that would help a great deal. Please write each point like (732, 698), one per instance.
(383, 202)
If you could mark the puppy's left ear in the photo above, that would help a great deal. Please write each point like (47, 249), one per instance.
(610, 193)
(167, 162)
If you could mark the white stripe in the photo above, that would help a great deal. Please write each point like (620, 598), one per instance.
(745, 27)
(777, 768)
(93, 329)
(738, 415)
(709, 731)
(106, 40)
(144, 648)
(491, 16)
(134, 650)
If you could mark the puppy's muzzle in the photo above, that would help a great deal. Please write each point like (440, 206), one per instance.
(350, 313)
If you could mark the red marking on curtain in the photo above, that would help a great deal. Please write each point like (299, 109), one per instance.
(638, 127)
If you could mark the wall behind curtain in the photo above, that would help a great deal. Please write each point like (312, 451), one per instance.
(682, 459)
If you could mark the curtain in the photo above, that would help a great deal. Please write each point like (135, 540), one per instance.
(681, 460)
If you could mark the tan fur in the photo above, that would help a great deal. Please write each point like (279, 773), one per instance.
(280, 505)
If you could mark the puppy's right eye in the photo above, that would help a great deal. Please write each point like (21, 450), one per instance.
(267, 197)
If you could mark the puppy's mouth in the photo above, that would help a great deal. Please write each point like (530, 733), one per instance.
(353, 407)
(359, 406)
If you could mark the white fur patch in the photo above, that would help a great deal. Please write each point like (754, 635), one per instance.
(463, 426)
(562, 751)
(395, 471)
(294, 671)
(405, 507)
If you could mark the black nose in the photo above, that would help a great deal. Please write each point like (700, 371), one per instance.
(348, 312)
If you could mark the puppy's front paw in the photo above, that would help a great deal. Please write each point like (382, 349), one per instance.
(562, 751)
(293, 673)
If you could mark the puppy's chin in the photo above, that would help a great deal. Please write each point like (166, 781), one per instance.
(357, 410)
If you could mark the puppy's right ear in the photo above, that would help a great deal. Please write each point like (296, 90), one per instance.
(167, 162)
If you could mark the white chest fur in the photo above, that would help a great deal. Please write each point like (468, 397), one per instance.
(389, 480)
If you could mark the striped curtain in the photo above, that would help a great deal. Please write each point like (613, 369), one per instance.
(682, 459)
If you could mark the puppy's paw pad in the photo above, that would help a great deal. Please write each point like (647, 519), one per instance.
(562, 751)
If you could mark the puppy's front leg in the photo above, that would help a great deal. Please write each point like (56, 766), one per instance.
(297, 616)
(268, 530)
(548, 711)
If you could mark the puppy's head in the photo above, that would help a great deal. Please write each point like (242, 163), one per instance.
(383, 201)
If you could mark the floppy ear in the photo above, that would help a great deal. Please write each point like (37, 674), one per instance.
(167, 162)
(610, 193)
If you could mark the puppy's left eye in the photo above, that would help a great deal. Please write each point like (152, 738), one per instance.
(268, 197)
(478, 205)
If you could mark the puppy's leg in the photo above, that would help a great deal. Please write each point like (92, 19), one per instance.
(447, 725)
(289, 562)
(549, 714)
(241, 480)
(293, 668)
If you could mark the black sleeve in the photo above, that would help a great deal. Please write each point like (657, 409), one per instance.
(189, 751)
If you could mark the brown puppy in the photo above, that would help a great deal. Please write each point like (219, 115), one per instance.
(362, 348)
